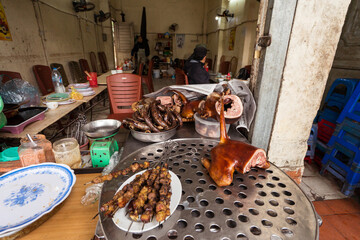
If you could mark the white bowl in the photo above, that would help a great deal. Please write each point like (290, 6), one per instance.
(52, 105)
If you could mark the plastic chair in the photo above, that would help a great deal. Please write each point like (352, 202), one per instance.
(325, 130)
(61, 70)
(233, 65)
(43, 79)
(181, 77)
(141, 68)
(148, 79)
(341, 90)
(343, 157)
(310, 154)
(93, 61)
(339, 94)
(7, 76)
(103, 62)
(124, 89)
(224, 65)
(84, 66)
(352, 107)
(76, 74)
(182, 63)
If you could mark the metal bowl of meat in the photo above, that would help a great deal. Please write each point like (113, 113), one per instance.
(101, 128)
(153, 137)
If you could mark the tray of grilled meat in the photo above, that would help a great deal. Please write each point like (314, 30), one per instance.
(259, 204)
(203, 189)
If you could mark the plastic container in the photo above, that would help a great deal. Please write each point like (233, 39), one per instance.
(34, 154)
(156, 73)
(92, 79)
(57, 81)
(1, 104)
(208, 127)
(3, 120)
(67, 152)
(10, 154)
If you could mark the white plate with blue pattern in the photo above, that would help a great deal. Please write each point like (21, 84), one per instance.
(30, 192)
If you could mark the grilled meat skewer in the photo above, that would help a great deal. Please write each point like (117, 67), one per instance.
(133, 168)
(149, 207)
(126, 194)
(163, 208)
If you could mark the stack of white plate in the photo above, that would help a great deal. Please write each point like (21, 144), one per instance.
(31, 192)
(83, 88)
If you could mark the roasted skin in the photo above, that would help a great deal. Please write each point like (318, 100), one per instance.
(189, 107)
(230, 155)
(207, 108)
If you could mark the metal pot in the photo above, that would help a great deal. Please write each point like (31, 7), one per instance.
(153, 137)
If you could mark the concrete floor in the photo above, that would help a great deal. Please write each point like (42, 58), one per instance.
(318, 187)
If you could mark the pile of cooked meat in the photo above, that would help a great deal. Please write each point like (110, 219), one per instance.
(151, 116)
(146, 197)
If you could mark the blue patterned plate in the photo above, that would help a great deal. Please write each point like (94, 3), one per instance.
(29, 193)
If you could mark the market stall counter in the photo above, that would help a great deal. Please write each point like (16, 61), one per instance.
(261, 204)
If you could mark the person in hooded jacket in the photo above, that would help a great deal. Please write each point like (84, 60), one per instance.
(194, 67)
(140, 50)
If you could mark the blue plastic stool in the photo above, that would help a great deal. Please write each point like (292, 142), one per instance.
(312, 143)
(352, 108)
(335, 101)
(348, 83)
(329, 115)
(343, 157)
(343, 161)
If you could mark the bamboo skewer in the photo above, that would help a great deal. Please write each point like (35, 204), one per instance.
(95, 216)
(129, 228)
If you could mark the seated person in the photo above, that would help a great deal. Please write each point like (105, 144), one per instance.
(194, 67)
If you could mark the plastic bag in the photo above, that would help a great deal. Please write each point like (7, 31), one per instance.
(92, 192)
(17, 91)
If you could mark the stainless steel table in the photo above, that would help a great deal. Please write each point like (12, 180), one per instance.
(262, 204)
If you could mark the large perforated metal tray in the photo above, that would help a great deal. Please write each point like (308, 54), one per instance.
(262, 204)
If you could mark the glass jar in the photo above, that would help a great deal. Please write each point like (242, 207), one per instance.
(67, 151)
(34, 154)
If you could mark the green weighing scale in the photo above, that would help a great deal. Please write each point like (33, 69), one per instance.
(3, 119)
(102, 133)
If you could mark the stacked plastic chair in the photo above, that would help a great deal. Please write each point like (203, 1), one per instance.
(310, 154)
(343, 156)
(339, 94)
